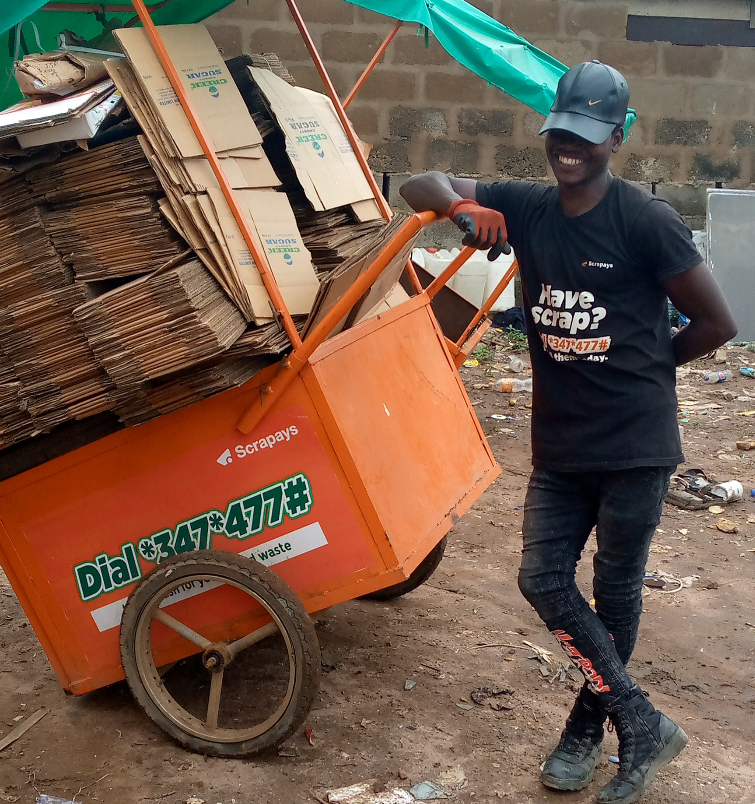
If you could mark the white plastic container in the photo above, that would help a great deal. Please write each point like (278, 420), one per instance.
(476, 279)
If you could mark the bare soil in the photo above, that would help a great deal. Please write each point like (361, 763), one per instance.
(463, 630)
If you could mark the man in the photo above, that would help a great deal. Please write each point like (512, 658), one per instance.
(598, 258)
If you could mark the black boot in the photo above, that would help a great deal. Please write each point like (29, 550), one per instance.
(571, 765)
(647, 741)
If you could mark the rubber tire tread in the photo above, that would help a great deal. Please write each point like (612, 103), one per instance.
(281, 598)
(423, 572)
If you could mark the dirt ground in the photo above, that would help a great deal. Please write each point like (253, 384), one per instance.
(463, 630)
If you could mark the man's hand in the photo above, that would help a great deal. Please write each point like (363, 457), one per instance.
(483, 228)
(696, 294)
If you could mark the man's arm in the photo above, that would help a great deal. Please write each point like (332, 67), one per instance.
(435, 192)
(696, 295)
(483, 228)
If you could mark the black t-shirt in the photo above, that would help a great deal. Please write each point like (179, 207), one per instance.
(597, 322)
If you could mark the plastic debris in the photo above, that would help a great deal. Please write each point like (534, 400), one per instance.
(471, 363)
(727, 526)
(427, 791)
(615, 760)
(465, 706)
(44, 799)
(499, 417)
(308, 734)
(410, 684)
(363, 793)
(716, 509)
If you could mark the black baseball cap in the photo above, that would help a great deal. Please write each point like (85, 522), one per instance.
(591, 100)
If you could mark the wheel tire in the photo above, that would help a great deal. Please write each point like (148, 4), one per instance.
(266, 588)
(417, 578)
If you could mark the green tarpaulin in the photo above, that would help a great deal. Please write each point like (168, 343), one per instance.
(84, 23)
(485, 46)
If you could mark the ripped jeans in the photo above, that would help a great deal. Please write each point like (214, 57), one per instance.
(560, 511)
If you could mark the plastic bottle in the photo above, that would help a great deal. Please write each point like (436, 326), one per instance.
(508, 385)
(728, 491)
(746, 371)
(716, 376)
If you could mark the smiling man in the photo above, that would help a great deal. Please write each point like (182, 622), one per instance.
(599, 257)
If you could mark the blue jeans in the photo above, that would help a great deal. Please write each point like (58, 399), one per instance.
(560, 511)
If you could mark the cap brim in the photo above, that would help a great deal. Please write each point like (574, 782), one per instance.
(594, 131)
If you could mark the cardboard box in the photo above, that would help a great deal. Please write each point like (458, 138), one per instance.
(212, 91)
(316, 144)
(82, 127)
(58, 72)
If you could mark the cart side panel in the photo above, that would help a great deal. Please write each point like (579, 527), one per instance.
(83, 529)
(407, 422)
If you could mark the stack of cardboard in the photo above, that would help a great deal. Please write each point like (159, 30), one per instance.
(105, 217)
(50, 357)
(16, 422)
(160, 324)
(188, 387)
(30, 264)
(195, 204)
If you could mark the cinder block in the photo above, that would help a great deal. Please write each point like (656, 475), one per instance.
(331, 12)
(706, 168)
(387, 84)
(700, 62)
(630, 58)
(228, 38)
(345, 46)
(452, 156)
(267, 10)
(739, 64)
(526, 163)
(451, 88)
(744, 134)
(686, 199)
(682, 132)
(287, 44)
(533, 122)
(650, 96)
(720, 99)
(405, 121)
(364, 119)
(307, 76)
(530, 16)
(649, 169)
(605, 20)
(412, 50)
(495, 122)
(390, 157)
(568, 51)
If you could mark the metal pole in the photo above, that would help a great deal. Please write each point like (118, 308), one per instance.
(260, 259)
(375, 59)
(300, 24)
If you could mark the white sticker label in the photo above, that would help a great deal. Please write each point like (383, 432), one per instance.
(282, 548)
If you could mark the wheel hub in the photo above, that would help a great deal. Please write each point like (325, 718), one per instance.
(217, 657)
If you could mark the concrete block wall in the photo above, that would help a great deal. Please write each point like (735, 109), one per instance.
(421, 110)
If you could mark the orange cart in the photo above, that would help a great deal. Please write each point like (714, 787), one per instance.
(187, 555)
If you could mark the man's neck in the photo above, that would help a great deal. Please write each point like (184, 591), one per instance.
(584, 197)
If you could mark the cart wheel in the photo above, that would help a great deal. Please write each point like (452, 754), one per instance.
(417, 578)
(245, 692)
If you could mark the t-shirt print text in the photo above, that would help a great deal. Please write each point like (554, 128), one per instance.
(593, 264)
(572, 312)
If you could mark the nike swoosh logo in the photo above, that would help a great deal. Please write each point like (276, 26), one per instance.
(593, 103)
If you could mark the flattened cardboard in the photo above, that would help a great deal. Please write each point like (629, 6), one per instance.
(211, 89)
(241, 173)
(316, 143)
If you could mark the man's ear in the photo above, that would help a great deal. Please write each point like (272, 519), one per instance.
(617, 139)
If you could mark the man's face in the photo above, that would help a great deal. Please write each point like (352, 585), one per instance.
(576, 161)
